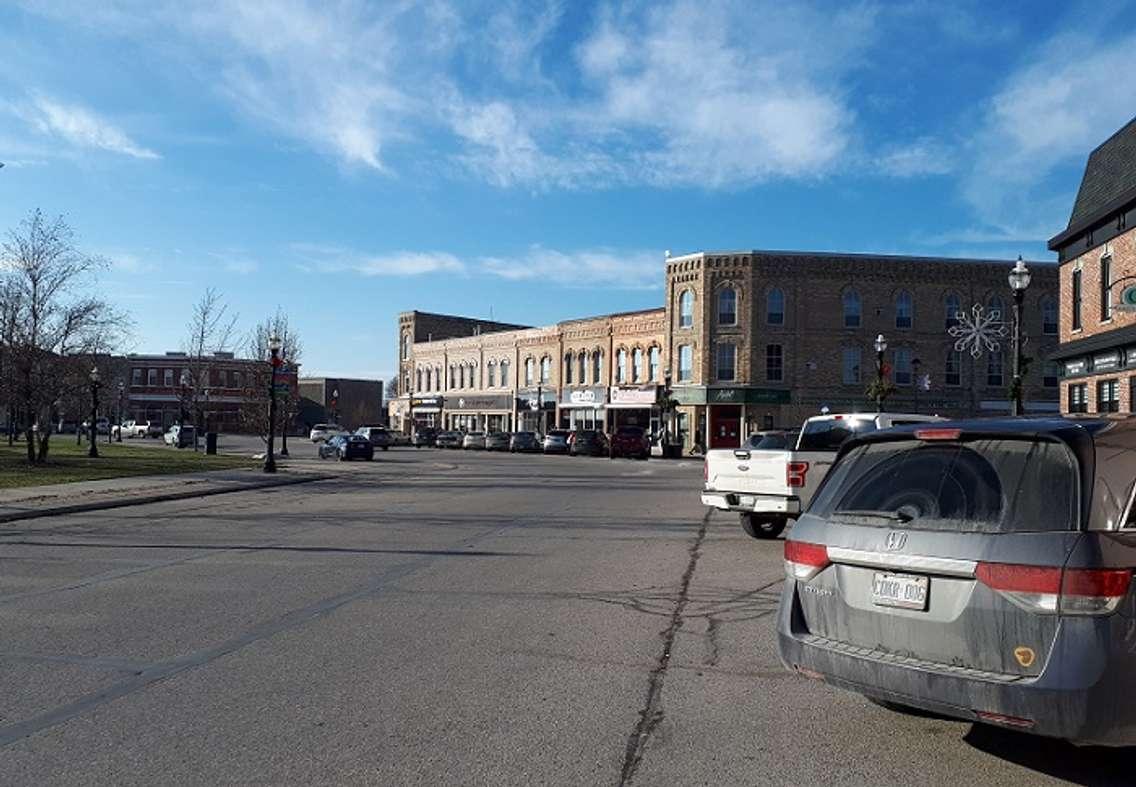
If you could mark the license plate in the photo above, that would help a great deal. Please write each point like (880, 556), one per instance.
(747, 500)
(899, 590)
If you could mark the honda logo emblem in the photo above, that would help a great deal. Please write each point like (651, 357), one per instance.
(895, 541)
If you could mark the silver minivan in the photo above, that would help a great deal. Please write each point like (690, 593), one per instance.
(976, 569)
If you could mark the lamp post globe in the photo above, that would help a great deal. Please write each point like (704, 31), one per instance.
(274, 353)
(1019, 280)
(93, 451)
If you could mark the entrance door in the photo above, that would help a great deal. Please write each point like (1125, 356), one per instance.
(725, 426)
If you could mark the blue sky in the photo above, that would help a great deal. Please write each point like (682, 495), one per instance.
(350, 160)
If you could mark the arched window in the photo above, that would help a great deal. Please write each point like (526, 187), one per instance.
(568, 369)
(545, 370)
(474, 375)
(581, 368)
(851, 302)
(953, 307)
(461, 376)
(405, 346)
(686, 309)
(637, 365)
(530, 371)
(621, 366)
(775, 307)
(728, 306)
(453, 376)
(491, 375)
(653, 364)
(1049, 316)
(504, 374)
(996, 307)
(597, 367)
(903, 310)
(418, 379)
(437, 378)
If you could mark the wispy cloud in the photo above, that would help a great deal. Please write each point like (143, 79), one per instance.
(79, 126)
(588, 268)
(925, 156)
(333, 259)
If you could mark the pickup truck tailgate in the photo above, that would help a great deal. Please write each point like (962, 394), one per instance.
(748, 471)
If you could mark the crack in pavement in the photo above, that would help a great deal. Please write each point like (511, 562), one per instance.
(652, 711)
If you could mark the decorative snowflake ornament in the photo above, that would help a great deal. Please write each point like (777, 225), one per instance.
(980, 330)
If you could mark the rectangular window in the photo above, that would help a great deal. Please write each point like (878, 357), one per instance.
(222, 378)
(136, 377)
(851, 365)
(1051, 375)
(1105, 285)
(726, 355)
(994, 369)
(685, 364)
(1076, 300)
(168, 378)
(774, 363)
(952, 375)
(902, 371)
(1078, 398)
(492, 370)
(1108, 396)
(236, 379)
(151, 377)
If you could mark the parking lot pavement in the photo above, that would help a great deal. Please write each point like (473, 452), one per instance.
(442, 617)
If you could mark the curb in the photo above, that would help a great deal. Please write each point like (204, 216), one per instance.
(102, 505)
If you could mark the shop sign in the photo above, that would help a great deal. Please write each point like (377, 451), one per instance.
(433, 402)
(644, 395)
(1105, 362)
(748, 396)
(585, 397)
(1074, 368)
(694, 394)
(497, 402)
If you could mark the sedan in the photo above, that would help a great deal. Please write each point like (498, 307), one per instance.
(424, 437)
(587, 442)
(524, 441)
(556, 441)
(448, 440)
(965, 569)
(497, 441)
(355, 447)
(474, 441)
(329, 448)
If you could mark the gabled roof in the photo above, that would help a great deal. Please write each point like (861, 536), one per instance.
(1110, 176)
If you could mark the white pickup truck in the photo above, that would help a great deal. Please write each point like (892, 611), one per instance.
(768, 487)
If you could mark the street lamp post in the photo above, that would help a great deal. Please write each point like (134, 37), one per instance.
(881, 348)
(184, 380)
(205, 396)
(915, 364)
(540, 408)
(274, 349)
(121, 389)
(93, 452)
(1019, 279)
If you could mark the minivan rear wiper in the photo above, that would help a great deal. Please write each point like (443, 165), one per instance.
(890, 516)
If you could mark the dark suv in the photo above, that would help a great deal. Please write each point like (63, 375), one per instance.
(976, 569)
(631, 441)
(424, 437)
(587, 442)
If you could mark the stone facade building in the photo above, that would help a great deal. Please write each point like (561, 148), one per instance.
(746, 340)
(1097, 257)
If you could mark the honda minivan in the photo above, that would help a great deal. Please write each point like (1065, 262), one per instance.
(976, 569)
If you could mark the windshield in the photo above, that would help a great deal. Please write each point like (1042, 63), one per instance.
(778, 441)
(984, 485)
(830, 433)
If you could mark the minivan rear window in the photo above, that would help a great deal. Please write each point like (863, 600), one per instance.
(990, 486)
(830, 434)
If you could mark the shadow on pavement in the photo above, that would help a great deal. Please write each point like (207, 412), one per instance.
(1088, 765)
(266, 548)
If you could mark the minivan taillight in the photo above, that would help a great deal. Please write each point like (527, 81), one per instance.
(804, 560)
(1050, 590)
(795, 473)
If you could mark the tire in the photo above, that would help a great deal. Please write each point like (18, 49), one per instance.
(762, 529)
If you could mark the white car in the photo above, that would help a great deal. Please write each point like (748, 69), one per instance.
(768, 487)
(321, 432)
(180, 436)
(138, 429)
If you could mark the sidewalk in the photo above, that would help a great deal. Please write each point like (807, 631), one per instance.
(30, 502)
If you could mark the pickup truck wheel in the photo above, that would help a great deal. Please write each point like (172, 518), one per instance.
(756, 527)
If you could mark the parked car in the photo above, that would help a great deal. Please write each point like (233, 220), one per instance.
(399, 438)
(770, 486)
(379, 436)
(474, 440)
(631, 441)
(181, 436)
(556, 441)
(975, 569)
(448, 440)
(67, 427)
(132, 429)
(326, 431)
(102, 425)
(497, 441)
(354, 446)
(329, 448)
(524, 441)
(424, 437)
(587, 442)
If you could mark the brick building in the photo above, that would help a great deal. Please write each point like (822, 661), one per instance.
(342, 400)
(1096, 255)
(749, 339)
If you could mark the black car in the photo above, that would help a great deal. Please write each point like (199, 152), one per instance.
(424, 437)
(346, 448)
(524, 441)
(587, 442)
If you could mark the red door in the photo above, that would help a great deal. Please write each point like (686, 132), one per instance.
(725, 426)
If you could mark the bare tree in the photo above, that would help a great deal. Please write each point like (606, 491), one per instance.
(255, 398)
(53, 327)
(209, 332)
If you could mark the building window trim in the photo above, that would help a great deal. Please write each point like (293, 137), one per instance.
(904, 311)
(728, 306)
(726, 362)
(685, 363)
(686, 309)
(774, 363)
(851, 366)
(851, 308)
(775, 307)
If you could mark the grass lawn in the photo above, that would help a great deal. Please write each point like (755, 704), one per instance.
(69, 462)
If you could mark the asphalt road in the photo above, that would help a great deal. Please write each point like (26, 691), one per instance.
(442, 618)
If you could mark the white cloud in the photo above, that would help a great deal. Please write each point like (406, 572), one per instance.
(922, 157)
(588, 268)
(333, 259)
(81, 127)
